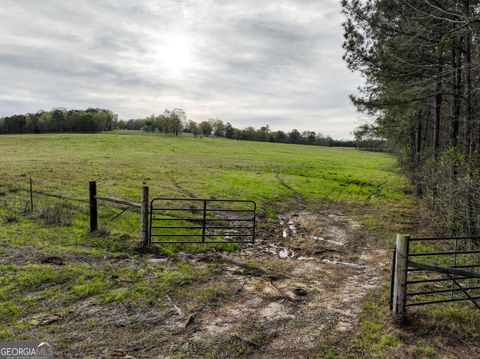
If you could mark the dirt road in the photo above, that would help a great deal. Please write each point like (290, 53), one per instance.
(319, 270)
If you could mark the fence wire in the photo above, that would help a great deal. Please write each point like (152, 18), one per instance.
(64, 210)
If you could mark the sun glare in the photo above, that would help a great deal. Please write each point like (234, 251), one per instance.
(173, 52)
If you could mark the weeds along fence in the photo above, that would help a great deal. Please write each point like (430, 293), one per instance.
(94, 213)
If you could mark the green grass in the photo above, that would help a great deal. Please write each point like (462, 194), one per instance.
(106, 270)
(442, 330)
(205, 168)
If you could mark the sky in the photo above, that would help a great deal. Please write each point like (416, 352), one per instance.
(248, 62)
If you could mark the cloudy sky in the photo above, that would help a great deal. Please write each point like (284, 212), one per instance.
(250, 62)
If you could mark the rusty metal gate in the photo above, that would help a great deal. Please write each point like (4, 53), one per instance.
(202, 221)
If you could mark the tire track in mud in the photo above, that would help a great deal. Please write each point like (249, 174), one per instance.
(297, 195)
(180, 188)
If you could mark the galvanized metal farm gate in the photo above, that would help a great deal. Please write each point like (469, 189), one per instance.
(201, 221)
(433, 270)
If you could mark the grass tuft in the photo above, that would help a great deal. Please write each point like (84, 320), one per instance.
(59, 215)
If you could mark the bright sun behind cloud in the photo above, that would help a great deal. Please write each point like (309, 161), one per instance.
(173, 53)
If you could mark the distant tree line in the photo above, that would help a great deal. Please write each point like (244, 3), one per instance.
(59, 120)
(421, 64)
(175, 122)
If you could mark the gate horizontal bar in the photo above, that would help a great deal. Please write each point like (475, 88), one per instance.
(446, 270)
(427, 292)
(227, 227)
(434, 280)
(201, 242)
(457, 266)
(178, 209)
(200, 235)
(176, 219)
(201, 210)
(442, 238)
(178, 227)
(443, 301)
(441, 253)
(229, 210)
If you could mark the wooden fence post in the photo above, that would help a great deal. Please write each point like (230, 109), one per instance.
(144, 217)
(93, 206)
(31, 195)
(400, 278)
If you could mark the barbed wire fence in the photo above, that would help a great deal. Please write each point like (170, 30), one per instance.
(59, 209)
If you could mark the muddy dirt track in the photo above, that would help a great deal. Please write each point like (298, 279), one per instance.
(319, 270)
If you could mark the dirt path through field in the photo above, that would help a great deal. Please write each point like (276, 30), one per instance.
(319, 270)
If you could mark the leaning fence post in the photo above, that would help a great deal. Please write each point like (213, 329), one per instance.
(144, 216)
(31, 195)
(400, 278)
(92, 190)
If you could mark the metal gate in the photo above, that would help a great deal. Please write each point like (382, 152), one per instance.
(202, 221)
(440, 270)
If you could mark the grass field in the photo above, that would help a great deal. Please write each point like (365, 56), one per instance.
(98, 296)
(275, 175)
(208, 167)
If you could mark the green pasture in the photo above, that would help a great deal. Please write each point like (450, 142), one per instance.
(202, 167)
(279, 177)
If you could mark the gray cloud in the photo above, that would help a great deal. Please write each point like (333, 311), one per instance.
(249, 62)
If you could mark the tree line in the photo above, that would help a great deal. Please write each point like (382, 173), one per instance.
(175, 122)
(59, 120)
(421, 66)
